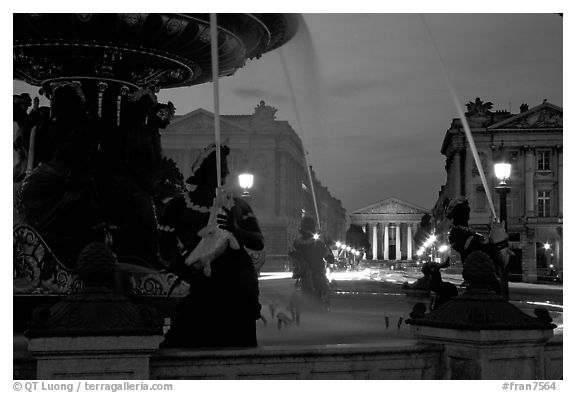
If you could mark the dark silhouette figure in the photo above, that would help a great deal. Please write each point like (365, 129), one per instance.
(464, 240)
(443, 291)
(59, 197)
(308, 254)
(131, 177)
(221, 308)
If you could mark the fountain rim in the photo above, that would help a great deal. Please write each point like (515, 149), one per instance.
(194, 71)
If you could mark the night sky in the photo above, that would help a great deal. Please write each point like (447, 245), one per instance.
(366, 93)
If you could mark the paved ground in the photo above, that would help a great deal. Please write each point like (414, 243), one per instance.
(361, 304)
(366, 307)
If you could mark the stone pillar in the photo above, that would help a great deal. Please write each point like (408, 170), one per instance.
(374, 242)
(529, 272)
(560, 182)
(456, 175)
(469, 166)
(386, 242)
(398, 249)
(281, 197)
(529, 181)
(409, 241)
(379, 240)
(558, 255)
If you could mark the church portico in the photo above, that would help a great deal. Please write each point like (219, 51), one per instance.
(390, 225)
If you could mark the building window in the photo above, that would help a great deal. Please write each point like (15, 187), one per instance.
(544, 160)
(480, 199)
(543, 203)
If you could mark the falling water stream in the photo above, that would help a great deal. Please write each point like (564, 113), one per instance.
(367, 306)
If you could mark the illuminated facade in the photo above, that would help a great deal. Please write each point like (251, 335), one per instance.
(272, 151)
(390, 225)
(532, 141)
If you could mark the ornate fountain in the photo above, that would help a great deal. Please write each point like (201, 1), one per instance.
(115, 54)
(114, 60)
(89, 198)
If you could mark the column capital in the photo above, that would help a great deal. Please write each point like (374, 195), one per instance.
(527, 149)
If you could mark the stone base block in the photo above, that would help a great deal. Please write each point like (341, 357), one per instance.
(489, 354)
(99, 357)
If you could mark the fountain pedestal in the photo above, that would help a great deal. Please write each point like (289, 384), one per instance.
(95, 333)
(488, 353)
(484, 336)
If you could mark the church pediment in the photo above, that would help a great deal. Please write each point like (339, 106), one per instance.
(392, 206)
(202, 120)
(542, 116)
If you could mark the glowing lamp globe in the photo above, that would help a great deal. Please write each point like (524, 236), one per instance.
(246, 180)
(502, 171)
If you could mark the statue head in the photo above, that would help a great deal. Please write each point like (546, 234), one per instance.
(458, 210)
(204, 167)
(479, 271)
(307, 226)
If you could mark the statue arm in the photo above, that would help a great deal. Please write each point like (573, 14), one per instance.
(243, 224)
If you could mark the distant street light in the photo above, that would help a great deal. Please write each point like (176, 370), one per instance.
(246, 180)
(502, 170)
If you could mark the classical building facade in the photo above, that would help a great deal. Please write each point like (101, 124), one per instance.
(532, 141)
(272, 151)
(390, 225)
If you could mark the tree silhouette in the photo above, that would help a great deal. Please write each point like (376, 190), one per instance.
(356, 238)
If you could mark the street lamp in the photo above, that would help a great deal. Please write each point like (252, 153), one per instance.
(246, 180)
(502, 171)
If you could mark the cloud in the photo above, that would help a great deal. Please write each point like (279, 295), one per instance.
(253, 92)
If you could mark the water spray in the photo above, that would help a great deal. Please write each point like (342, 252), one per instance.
(299, 121)
(215, 78)
(467, 131)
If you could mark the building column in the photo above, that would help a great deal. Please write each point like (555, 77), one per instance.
(386, 242)
(560, 182)
(409, 241)
(529, 181)
(379, 240)
(281, 199)
(529, 271)
(469, 164)
(398, 249)
(560, 251)
(456, 187)
(374, 242)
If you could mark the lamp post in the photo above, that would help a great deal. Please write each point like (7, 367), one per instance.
(246, 180)
(502, 171)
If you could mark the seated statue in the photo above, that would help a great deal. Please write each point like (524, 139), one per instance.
(59, 197)
(465, 240)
